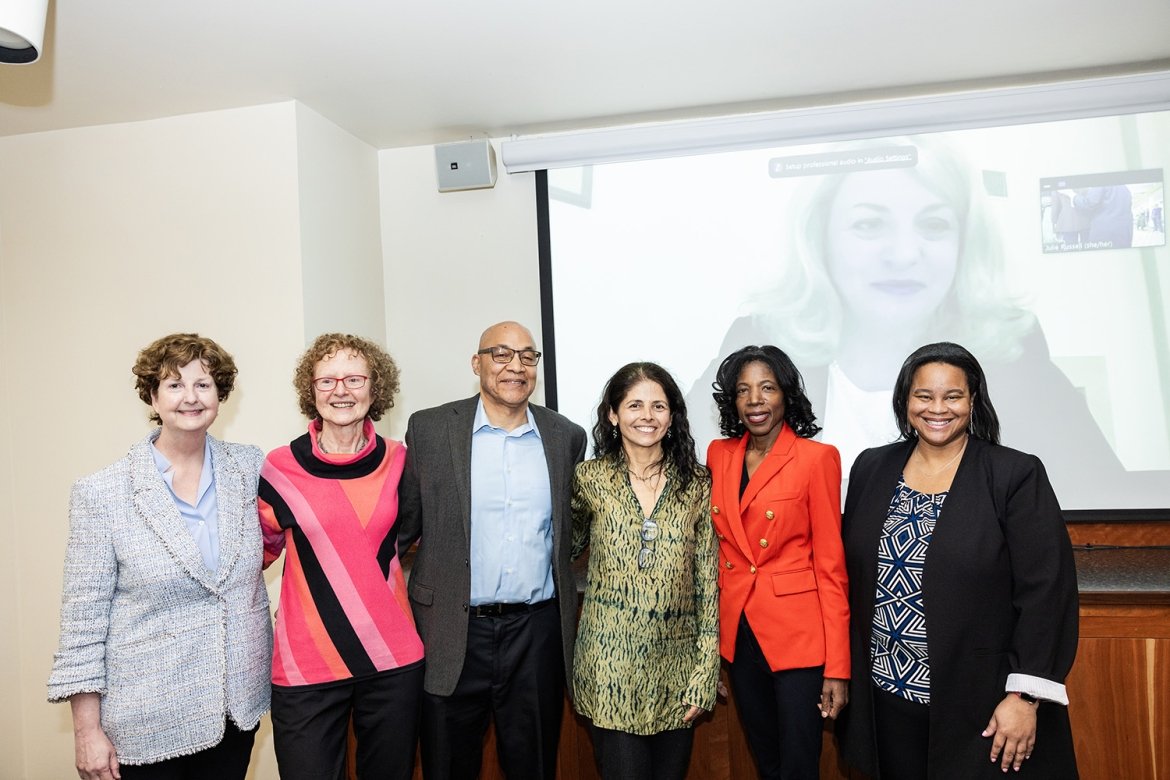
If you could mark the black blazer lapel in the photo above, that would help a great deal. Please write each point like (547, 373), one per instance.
(874, 482)
(971, 482)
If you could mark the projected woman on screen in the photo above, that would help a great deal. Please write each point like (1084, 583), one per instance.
(896, 250)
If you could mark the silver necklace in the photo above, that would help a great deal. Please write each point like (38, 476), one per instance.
(362, 442)
(945, 466)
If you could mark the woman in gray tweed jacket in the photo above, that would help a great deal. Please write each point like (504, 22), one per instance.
(165, 633)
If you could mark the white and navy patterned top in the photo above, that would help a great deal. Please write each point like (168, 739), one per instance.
(901, 665)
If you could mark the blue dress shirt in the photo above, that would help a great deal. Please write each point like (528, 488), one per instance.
(202, 517)
(511, 514)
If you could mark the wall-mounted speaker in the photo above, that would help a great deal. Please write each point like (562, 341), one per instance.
(466, 165)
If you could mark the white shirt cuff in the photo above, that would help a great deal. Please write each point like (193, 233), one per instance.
(1038, 687)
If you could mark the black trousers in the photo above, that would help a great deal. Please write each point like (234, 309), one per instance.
(310, 726)
(903, 736)
(514, 673)
(779, 711)
(624, 756)
(226, 761)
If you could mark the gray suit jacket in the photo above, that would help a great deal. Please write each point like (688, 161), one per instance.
(171, 646)
(434, 502)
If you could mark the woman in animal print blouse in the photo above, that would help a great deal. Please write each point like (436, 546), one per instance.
(647, 657)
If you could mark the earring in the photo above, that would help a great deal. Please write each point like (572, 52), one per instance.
(669, 432)
(613, 433)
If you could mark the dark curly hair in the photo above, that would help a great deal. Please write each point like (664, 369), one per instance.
(678, 447)
(984, 422)
(163, 358)
(383, 382)
(798, 411)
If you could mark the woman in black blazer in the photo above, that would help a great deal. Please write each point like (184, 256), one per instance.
(962, 591)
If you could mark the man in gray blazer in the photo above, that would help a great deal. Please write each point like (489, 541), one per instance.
(486, 487)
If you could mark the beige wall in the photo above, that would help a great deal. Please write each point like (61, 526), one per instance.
(109, 237)
(456, 262)
(259, 227)
(341, 248)
(12, 713)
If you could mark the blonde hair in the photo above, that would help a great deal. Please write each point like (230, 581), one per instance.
(803, 312)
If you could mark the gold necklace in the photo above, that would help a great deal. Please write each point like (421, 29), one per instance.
(651, 480)
(763, 453)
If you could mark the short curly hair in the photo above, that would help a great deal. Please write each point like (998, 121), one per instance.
(163, 358)
(383, 381)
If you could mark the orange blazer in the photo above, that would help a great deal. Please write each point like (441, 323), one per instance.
(780, 555)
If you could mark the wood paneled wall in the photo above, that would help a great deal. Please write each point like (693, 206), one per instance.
(1119, 690)
(1121, 534)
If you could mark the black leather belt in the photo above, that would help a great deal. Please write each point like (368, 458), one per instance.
(499, 610)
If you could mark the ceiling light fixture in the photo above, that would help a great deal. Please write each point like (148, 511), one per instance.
(22, 30)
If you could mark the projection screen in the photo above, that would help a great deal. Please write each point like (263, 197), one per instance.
(1041, 247)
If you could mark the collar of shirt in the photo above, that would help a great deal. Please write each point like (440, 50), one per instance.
(481, 421)
(205, 478)
(511, 514)
(201, 517)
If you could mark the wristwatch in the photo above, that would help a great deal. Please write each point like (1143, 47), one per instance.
(1027, 697)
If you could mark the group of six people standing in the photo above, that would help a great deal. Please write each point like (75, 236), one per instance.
(939, 640)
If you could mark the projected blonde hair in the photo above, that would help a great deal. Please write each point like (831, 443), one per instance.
(804, 312)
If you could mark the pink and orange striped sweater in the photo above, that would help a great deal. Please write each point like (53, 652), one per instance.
(343, 608)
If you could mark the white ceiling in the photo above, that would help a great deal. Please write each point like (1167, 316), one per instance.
(396, 73)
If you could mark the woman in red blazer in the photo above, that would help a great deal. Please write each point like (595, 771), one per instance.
(783, 605)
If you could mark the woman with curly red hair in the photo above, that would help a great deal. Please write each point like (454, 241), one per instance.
(346, 645)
